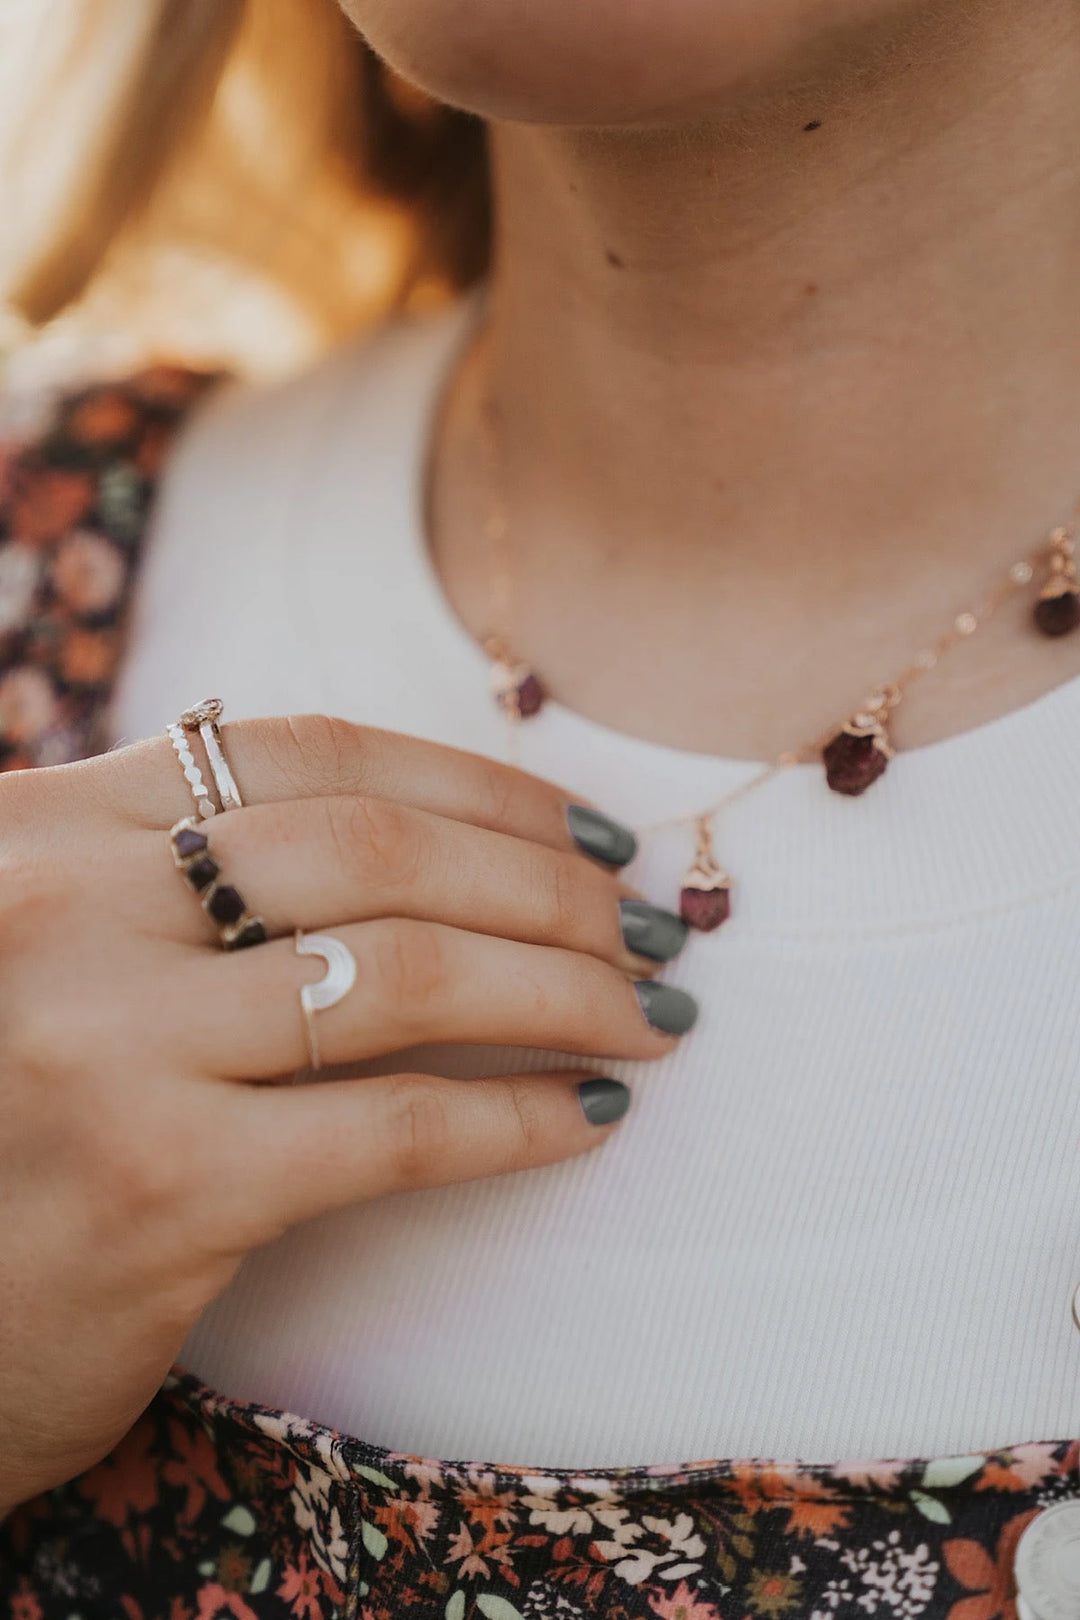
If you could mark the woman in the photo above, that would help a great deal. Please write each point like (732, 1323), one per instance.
(766, 406)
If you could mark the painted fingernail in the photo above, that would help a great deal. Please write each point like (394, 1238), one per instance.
(651, 931)
(669, 1010)
(600, 836)
(604, 1101)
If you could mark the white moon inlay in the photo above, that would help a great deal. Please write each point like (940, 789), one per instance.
(340, 975)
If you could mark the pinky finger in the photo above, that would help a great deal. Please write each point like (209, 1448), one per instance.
(316, 1147)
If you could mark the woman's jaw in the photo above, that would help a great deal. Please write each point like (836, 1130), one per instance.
(615, 62)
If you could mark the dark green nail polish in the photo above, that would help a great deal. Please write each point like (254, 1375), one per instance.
(651, 931)
(604, 1101)
(599, 836)
(669, 1010)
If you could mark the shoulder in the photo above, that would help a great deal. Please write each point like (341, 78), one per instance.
(251, 444)
(74, 504)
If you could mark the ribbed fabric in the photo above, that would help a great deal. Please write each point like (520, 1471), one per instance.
(844, 1218)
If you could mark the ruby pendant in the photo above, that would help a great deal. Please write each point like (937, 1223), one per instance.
(705, 896)
(860, 752)
(517, 688)
(1057, 612)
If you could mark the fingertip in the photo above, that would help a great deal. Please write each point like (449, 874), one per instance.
(604, 1101)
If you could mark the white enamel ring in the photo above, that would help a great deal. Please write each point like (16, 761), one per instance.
(334, 986)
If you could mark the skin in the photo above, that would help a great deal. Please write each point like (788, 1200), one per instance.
(814, 388)
(139, 1158)
(784, 319)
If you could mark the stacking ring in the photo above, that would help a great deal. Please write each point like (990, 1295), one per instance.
(204, 804)
(224, 905)
(334, 986)
(203, 718)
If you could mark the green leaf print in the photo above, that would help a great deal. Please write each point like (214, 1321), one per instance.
(497, 1608)
(375, 1477)
(455, 1609)
(373, 1539)
(261, 1578)
(945, 1471)
(240, 1519)
(931, 1508)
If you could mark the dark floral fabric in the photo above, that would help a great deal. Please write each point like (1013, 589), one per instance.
(212, 1508)
(217, 1509)
(73, 511)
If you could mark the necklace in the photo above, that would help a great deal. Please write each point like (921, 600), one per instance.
(854, 754)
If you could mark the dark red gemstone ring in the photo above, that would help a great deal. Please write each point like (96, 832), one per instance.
(237, 927)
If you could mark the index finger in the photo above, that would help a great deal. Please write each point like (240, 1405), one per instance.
(315, 756)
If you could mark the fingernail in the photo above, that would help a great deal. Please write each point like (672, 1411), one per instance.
(651, 931)
(670, 1010)
(600, 836)
(604, 1101)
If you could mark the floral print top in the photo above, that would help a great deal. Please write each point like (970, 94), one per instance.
(73, 512)
(213, 1508)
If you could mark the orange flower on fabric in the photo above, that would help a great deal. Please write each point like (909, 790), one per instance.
(126, 1481)
(217, 1604)
(487, 1507)
(812, 1507)
(24, 1605)
(302, 1588)
(1015, 1470)
(990, 1579)
(89, 657)
(683, 1604)
(105, 417)
(48, 501)
(194, 1468)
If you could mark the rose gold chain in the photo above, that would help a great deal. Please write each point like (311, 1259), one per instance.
(882, 702)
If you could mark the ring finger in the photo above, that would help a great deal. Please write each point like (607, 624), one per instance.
(420, 982)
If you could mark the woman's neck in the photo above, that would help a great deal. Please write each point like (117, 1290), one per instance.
(786, 388)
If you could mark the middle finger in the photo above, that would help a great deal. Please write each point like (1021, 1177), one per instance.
(317, 863)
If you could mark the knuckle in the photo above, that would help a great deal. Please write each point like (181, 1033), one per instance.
(566, 903)
(149, 1171)
(318, 752)
(501, 792)
(376, 841)
(408, 969)
(528, 1135)
(35, 895)
(419, 1131)
(136, 1167)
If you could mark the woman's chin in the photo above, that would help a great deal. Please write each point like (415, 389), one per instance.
(597, 62)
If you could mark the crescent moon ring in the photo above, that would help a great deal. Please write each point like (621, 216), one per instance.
(334, 986)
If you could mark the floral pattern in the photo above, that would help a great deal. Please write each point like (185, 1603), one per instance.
(73, 513)
(217, 1509)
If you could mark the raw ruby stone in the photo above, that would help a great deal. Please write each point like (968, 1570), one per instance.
(1057, 615)
(852, 764)
(530, 697)
(189, 842)
(705, 909)
(225, 905)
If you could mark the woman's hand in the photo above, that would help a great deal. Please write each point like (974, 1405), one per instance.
(138, 1161)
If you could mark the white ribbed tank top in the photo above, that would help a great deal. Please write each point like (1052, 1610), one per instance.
(843, 1219)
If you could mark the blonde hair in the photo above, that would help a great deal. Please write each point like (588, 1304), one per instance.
(264, 131)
